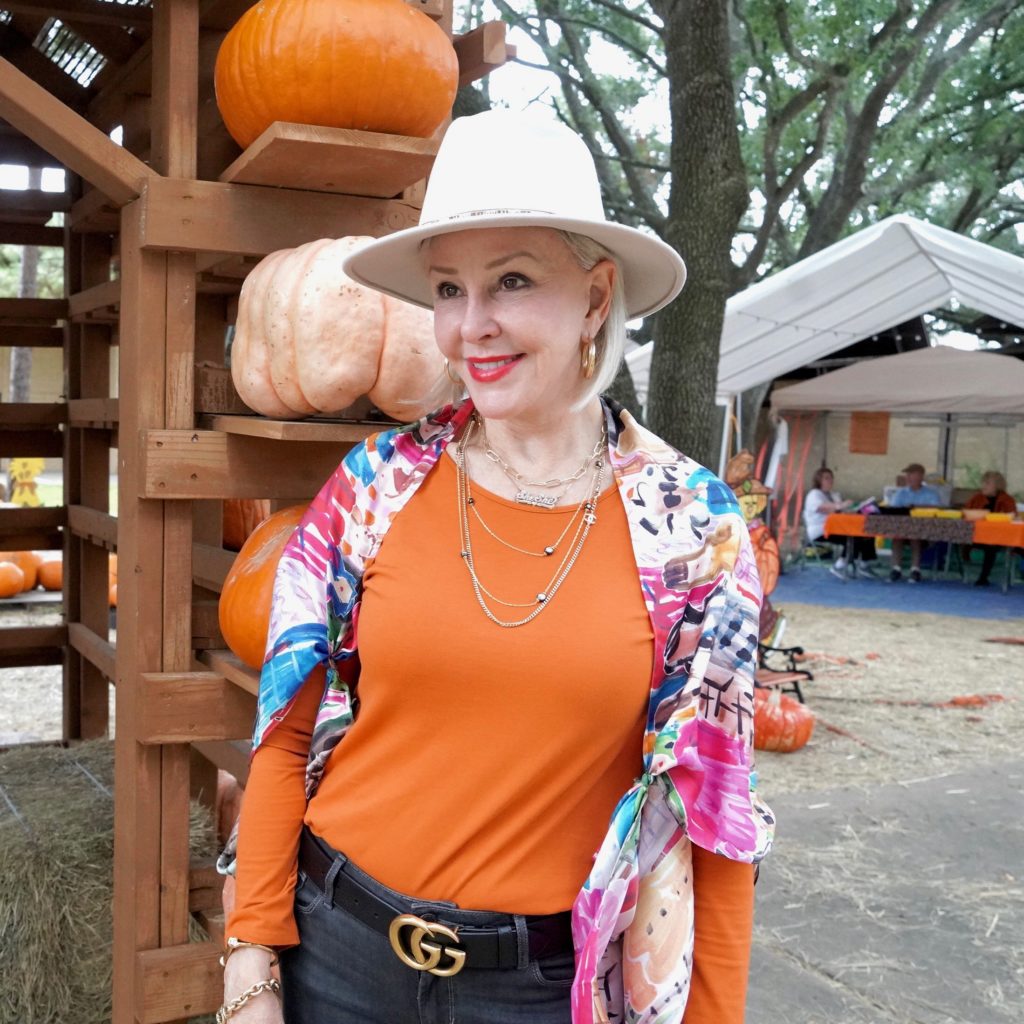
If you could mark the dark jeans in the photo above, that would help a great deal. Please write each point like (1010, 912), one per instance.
(345, 972)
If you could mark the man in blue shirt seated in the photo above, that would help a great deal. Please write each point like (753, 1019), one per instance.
(916, 492)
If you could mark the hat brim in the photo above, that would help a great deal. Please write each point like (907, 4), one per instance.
(653, 272)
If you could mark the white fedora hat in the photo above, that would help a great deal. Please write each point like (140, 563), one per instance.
(505, 169)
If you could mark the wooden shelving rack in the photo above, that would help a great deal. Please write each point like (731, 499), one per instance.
(158, 236)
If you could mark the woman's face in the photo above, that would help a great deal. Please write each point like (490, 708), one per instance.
(989, 487)
(510, 308)
(826, 481)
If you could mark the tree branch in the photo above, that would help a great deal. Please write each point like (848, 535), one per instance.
(625, 12)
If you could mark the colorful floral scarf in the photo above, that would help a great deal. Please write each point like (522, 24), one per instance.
(633, 919)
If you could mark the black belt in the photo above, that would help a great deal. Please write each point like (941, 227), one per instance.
(426, 945)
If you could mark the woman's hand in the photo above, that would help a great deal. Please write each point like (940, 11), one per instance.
(245, 967)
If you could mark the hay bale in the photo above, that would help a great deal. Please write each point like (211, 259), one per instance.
(56, 882)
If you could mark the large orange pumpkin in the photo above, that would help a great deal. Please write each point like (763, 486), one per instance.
(241, 517)
(373, 65)
(244, 607)
(51, 574)
(27, 562)
(780, 722)
(12, 579)
(308, 339)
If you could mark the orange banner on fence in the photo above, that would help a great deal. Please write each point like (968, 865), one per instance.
(869, 433)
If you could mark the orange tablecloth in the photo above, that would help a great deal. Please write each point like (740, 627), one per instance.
(1001, 534)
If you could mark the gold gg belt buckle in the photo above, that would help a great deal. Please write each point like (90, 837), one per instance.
(411, 940)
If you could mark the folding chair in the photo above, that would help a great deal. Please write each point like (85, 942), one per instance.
(786, 678)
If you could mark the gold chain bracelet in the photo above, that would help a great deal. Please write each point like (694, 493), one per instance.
(228, 1010)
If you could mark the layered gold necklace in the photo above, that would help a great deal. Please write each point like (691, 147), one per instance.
(584, 516)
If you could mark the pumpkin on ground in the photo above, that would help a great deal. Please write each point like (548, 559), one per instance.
(241, 516)
(780, 722)
(244, 607)
(27, 562)
(51, 573)
(12, 579)
(310, 340)
(372, 65)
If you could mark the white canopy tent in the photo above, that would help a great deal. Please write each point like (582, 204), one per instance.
(881, 276)
(929, 380)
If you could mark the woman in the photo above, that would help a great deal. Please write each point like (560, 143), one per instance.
(992, 497)
(517, 688)
(820, 503)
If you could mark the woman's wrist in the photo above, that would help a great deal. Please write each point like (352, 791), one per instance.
(245, 967)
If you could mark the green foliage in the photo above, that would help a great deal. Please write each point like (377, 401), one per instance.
(50, 283)
(848, 111)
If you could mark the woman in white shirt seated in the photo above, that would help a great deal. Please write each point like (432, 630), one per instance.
(820, 503)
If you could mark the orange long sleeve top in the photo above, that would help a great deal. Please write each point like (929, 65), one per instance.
(484, 763)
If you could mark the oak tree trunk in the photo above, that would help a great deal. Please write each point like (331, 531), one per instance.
(708, 197)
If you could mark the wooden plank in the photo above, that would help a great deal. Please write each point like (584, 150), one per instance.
(31, 657)
(215, 391)
(32, 311)
(433, 9)
(32, 414)
(31, 206)
(79, 145)
(325, 431)
(230, 756)
(93, 648)
(19, 638)
(91, 524)
(32, 336)
(333, 160)
(99, 296)
(28, 444)
(213, 216)
(86, 11)
(31, 234)
(480, 51)
(206, 634)
(101, 413)
(231, 668)
(205, 887)
(14, 521)
(209, 464)
(188, 706)
(94, 214)
(210, 566)
(177, 982)
(137, 768)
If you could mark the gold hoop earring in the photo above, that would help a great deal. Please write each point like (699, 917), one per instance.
(457, 381)
(588, 357)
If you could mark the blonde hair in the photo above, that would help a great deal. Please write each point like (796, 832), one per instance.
(610, 339)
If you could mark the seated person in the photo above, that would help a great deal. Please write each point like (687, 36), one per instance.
(993, 498)
(913, 494)
(820, 503)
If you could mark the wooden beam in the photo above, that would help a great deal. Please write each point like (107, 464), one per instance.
(215, 392)
(94, 214)
(32, 337)
(32, 311)
(79, 145)
(211, 216)
(209, 464)
(98, 413)
(99, 297)
(86, 11)
(229, 665)
(231, 756)
(93, 648)
(17, 48)
(91, 524)
(31, 234)
(21, 205)
(32, 414)
(187, 706)
(210, 566)
(31, 657)
(19, 638)
(178, 982)
(32, 529)
(26, 444)
(205, 886)
(480, 51)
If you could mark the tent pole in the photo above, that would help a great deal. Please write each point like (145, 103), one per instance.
(723, 455)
